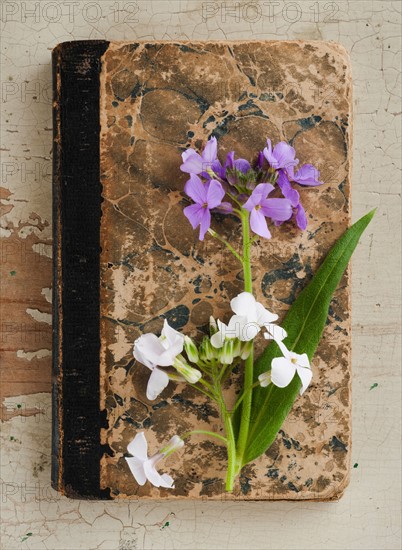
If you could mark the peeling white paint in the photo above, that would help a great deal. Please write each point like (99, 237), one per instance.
(47, 293)
(43, 249)
(40, 316)
(38, 354)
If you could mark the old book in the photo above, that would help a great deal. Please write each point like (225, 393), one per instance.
(125, 258)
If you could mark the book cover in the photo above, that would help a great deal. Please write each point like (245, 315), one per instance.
(126, 258)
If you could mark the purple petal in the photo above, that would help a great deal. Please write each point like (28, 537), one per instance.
(229, 162)
(301, 219)
(252, 202)
(187, 153)
(258, 224)
(267, 152)
(205, 222)
(225, 208)
(193, 164)
(308, 175)
(209, 152)
(279, 210)
(242, 165)
(196, 190)
(260, 160)
(215, 194)
(283, 155)
(287, 190)
(194, 214)
(260, 193)
(218, 169)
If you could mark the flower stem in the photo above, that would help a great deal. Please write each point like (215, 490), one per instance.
(229, 246)
(204, 432)
(242, 396)
(230, 443)
(249, 363)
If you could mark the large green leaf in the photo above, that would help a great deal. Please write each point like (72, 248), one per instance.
(304, 324)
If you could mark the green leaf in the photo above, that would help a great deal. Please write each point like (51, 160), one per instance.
(304, 324)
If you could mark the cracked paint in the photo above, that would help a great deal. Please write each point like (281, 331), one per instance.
(367, 516)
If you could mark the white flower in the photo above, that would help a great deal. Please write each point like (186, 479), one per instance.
(144, 468)
(152, 352)
(256, 317)
(284, 368)
(250, 316)
(160, 351)
(228, 332)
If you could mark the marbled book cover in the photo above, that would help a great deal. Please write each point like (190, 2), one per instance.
(154, 100)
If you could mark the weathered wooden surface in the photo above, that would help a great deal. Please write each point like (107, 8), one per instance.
(153, 105)
(367, 517)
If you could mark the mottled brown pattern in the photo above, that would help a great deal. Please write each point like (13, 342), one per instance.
(157, 99)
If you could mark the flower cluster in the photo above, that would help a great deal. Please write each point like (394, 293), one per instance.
(226, 344)
(247, 186)
(250, 193)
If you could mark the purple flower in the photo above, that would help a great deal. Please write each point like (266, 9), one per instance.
(282, 156)
(221, 170)
(232, 165)
(206, 196)
(294, 197)
(260, 206)
(300, 216)
(194, 163)
(306, 175)
(287, 190)
(260, 160)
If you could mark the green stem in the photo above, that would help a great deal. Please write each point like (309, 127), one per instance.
(248, 367)
(204, 432)
(222, 240)
(240, 399)
(230, 438)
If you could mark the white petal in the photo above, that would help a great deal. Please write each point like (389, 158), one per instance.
(139, 447)
(217, 339)
(274, 332)
(303, 361)
(263, 315)
(137, 469)
(173, 336)
(151, 473)
(286, 353)
(157, 383)
(249, 331)
(236, 326)
(243, 304)
(282, 372)
(167, 481)
(148, 348)
(305, 375)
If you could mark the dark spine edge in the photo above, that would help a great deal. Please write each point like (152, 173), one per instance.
(76, 421)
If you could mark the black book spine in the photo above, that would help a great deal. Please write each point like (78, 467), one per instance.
(76, 229)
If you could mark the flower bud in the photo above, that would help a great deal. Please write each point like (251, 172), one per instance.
(226, 352)
(265, 379)
(207, 351)
(191, 349)
(191, 375)
(237, 347)
(246, 349)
